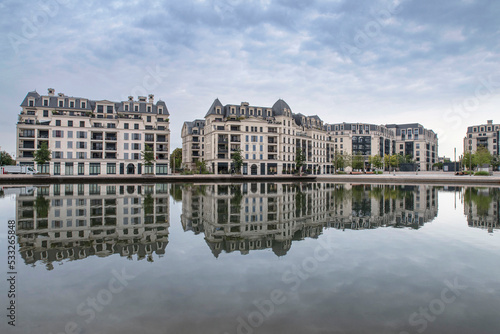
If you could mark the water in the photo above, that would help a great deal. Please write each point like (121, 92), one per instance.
(252, 258)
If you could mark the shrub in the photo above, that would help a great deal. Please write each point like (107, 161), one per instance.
(341, 172)
(379, 172)
(482, 173)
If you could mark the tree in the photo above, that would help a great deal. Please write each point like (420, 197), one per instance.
(387, 161)
(201, 165)
(495, 161)
(300, 158)
(149, 157)
(468, 161)
(338, 161)
(482, 156)
(394, 160)
(376, 161)
(6, 159)
(42, 155)
(176, 159)
(237, 160)
(358, 161)
(42, 206)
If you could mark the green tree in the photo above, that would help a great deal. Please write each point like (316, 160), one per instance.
(495, 161)
(338, 161)
(237, 160)
(149, 157)
(176, 159)
(42, 155)
(376, 161)
(482, 156)
(300, 158)
(468, 161)
(387, 161)
(394, 160)
(201, 166)
(6, 159)
(358, 161)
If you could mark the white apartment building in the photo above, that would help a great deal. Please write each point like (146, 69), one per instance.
(93, 137)
(267, 136)
(419, 143)
(485, 135)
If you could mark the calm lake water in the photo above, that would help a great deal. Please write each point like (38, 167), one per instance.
(252, 258)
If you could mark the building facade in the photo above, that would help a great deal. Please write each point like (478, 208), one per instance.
(484, 135)
(417, 142)
(93, 137)
(270, 137)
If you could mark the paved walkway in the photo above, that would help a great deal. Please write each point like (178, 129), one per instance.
(398, 178)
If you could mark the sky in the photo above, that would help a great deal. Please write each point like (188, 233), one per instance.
(374, 61)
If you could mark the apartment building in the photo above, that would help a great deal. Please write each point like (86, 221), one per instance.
(362, 138)
(93, 137)
(419, 143)
(76, 221)
(485, 135)
(268, 138)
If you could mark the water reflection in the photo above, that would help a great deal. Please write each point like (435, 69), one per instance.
(481, 207)
(250, 216)
(74, 221)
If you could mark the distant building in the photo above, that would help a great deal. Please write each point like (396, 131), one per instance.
(419, 143)
(484, 135)
(92, 137)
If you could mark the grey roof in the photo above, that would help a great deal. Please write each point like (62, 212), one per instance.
(279, 107)
(199, 123)
(211, 110)
(53, 103)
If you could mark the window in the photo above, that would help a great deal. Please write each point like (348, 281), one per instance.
(70, 123)
(70, 134)
(148, 119)
(69, 155)
(57, 168)
(125, 136)
(72, 104)
(136, 136)
(125, 125)
(58, 144)
(45, 113)
(84, 105)
(136, 146)
(125, 146)
(161, 169)
(111, 168)
(160, 111)
(61, 103)
(109, 109)
(45, 102)
(125, 156)
(68, 170)
(136, 126)
(95, 169)
(57, 134)
(82, 124)
(100, 109)
(136, 156)
(58, 122)
(149, 108)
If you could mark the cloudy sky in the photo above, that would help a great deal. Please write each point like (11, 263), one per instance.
(376, 61)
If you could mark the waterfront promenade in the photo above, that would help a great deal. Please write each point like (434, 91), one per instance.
(438, 178)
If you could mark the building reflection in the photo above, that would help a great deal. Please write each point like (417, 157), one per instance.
(74, 221)
(481, 207)
(249, 216)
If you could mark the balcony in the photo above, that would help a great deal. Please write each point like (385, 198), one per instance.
(111, 138)
(272, 130)
(27, 135)
(272, 140)
(96, 147)
(27, 154)
(110, 147)
(110, 155)
(195, 147)
(161, 139)
(161, 148)
(96, 155)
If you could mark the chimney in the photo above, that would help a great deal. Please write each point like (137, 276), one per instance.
(490, 122)
(131, 98)
(151, 98)
(142, 98)
(51, 91)
(60, 94)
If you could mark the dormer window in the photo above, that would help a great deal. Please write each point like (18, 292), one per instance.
(84, 105)
(72, 104)
(136, 108)
(61, 103)
(160, 111)
(45, 102)
(149, 108)
(126, 107)
(31, 103)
